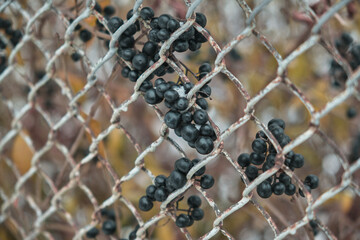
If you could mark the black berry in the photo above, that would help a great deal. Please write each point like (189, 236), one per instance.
(130, 30)
(182, 220)
(285, 179)
(187, 35)
(75, 56)
(302, 193)
(146, 13)
(153, 35)
(205, 91)
(150, 48)
(194, 45)
(85, 35)
(133, 76)
(201, 171)
(259, 145)
(97, 7)
(290, 189)
(278, 188)
(244, 160)
(150, 192)
(151, 97)
(172, 119)
(194, 201)
(207, 181)
(351, 112)
(181, 45)
(264, 189)
(182, 103)
(186, 117)
(312, 181)
(140, 62)
(163, 35)
(200, 19)
(207, 130)
(197, 214)
(297, 161)
(126, 41)
(128, 54)
(172, 25)
(204, 145)
(145, 203)
(200, 117)
(109, 227)
(183, 165)
(114, 23)
(177, 179)
(201, 102)
(278, 122)
(251, 172)
(109, 11)
(92, 232)
(163, 20)
(160, 181)
(154, 23)
(161, 194)
(161, 89)
(171, 95)
(257, 158)
(261, 134)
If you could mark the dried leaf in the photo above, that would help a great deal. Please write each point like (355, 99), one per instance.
(21, 154)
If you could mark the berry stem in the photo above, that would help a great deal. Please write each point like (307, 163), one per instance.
(178, 62)
(187, 69)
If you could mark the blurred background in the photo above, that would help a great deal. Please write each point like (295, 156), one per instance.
(284, 23)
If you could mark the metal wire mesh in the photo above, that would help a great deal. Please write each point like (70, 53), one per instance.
(57, 193)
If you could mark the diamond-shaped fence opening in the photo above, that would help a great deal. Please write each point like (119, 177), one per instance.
(79, 143)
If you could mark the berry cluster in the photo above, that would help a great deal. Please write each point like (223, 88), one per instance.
(263, 158)
(160, 30)
(164, 186)
(190, 123)
(108, 226)
(14, 35)
(164, 25)
(193, 213)
(84, 34)
(350, 51)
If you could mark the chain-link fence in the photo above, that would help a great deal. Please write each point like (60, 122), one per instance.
(61, 167)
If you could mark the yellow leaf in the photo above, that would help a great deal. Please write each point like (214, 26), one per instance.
(91, 21)
(21, 154)
(346, 200)
(76, 82)
(165, 230)
(19, 59)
